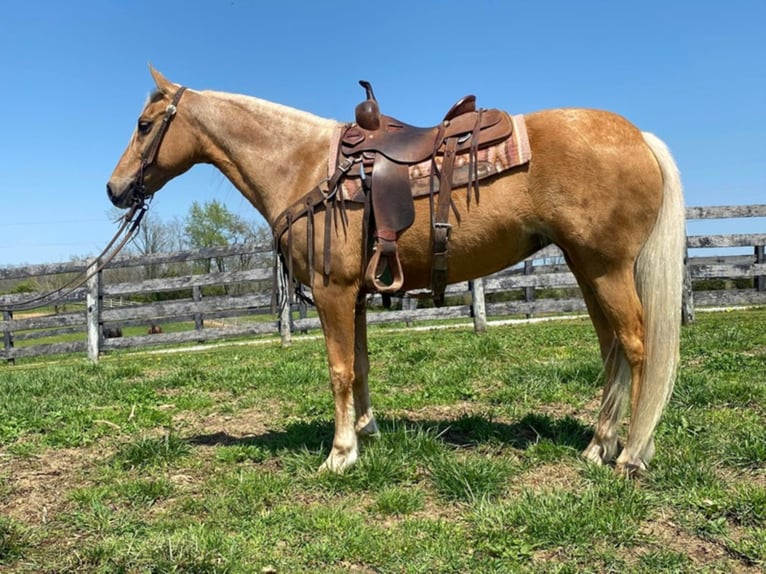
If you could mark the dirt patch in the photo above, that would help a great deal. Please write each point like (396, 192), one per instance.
(34, 485)
(439, 413)
(243, 423)
(702, 553)
(547, 478)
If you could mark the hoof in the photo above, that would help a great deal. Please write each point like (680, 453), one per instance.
(367, 429)
(337, 463)
(631, 467)
(600, 453)
(630, 470)
(593, 454)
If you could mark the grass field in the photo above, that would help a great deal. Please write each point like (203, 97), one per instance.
(205, 462)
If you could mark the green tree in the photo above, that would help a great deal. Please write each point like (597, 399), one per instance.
(212, 224)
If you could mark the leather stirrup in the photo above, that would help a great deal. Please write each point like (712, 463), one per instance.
(384, 272)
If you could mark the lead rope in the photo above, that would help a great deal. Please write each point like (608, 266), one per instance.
(131, 221)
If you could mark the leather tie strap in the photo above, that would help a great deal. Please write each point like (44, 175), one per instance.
(442, 228)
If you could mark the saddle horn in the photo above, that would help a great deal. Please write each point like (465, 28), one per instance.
(368, 89)
(367, 113)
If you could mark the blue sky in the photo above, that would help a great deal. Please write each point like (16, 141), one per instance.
(75, 78)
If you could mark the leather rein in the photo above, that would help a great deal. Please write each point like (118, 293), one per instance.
(131, 222)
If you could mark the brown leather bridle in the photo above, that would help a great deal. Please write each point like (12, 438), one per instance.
(149, 155)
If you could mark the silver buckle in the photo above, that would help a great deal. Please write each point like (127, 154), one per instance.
(444, 225)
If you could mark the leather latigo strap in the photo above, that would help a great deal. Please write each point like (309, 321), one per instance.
(441, 226)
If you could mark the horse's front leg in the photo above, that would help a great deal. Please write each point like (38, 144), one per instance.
(365, 421)
(348, 375)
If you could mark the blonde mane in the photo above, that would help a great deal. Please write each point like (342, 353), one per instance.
(278, 112)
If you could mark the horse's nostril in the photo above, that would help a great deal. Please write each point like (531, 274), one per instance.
(117, 200)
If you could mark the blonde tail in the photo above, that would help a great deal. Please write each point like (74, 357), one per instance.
(659, 280)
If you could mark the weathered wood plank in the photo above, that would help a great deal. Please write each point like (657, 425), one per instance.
(549, 252)
(478, 306)
(426, 314)
(64, 320)
(76, 297)
(122, 261)
(47, 349)
(192, 336)
(725, 211)
(727, 271)
(721, 260)
(508, 282)
(311, 323)
(729, 298)
(187, 282)
(24, 271)
(731, 240)
(171, 308)
(190, 255)
(537, 307)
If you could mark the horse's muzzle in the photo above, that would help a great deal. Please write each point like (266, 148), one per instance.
(121, 194)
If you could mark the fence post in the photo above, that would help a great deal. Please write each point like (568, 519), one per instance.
(8, 336)
(303, 312)
(409, 304)
(529, 292)
(759, 281)
(687, 297)
(478, 307)
(286, 309)
(199, 323)
(93, 304)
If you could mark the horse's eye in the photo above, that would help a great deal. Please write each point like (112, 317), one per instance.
(144, 127)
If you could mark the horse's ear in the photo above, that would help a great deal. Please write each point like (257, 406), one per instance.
(163, 84)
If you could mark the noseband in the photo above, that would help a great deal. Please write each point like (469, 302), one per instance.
(150, 154)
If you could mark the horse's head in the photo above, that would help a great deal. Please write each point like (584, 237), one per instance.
(159, 150)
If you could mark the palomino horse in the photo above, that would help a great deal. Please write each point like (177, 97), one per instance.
(607, 194)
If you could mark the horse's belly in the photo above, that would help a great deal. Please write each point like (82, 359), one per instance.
(492, 234)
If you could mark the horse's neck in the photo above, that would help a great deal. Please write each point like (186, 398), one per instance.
(273, 154)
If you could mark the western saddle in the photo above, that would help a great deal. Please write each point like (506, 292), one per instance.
(381, 150)
(387, 148)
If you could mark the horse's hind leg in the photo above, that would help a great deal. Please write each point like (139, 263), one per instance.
(603, 447)
(615, 293)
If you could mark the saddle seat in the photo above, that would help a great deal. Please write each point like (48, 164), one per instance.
(385, 148)
(404, 143)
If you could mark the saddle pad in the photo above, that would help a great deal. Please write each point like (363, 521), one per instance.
(513, 152)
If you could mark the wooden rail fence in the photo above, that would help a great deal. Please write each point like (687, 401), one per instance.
(179, 293)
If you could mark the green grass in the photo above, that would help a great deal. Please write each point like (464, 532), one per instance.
(206, 462)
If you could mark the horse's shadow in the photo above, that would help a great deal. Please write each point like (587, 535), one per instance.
(465, 431)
